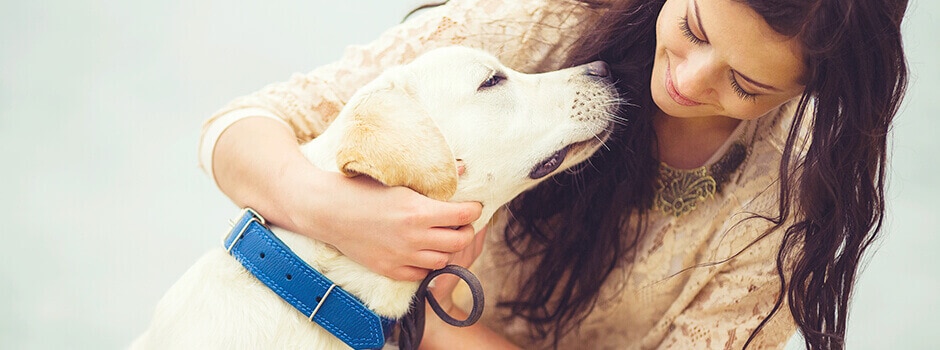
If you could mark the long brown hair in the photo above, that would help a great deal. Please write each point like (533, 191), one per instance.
(571, 226)
(577, 227)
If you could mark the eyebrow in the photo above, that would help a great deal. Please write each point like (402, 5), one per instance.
(698, 22)
(755, 83)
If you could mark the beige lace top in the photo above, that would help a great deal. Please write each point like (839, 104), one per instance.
(665, 294)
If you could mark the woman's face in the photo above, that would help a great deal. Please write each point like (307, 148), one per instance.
(719, 57)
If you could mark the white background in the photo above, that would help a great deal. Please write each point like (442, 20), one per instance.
(103, 206)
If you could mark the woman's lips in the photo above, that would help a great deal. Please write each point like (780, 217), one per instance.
(673, 92)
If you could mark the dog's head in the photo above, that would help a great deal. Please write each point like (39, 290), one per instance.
(510, 129)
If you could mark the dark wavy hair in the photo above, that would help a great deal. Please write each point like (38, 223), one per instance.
(575, 229)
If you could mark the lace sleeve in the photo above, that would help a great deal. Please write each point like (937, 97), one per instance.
(733, 304)
(526, 34)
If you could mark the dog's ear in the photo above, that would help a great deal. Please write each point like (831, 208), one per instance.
(393, 140)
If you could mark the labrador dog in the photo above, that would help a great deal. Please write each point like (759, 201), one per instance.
(408, 127)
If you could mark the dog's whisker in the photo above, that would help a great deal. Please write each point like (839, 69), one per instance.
(624, 103)
(602, 142)
(577, 169)
(619, 121)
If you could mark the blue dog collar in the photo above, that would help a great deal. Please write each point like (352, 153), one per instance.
(322, 301)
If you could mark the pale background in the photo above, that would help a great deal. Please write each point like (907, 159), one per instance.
(103, 205)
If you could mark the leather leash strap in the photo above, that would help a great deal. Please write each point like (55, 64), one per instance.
(412, 324)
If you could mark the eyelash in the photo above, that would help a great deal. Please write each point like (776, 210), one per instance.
(744, 95)
(687, 32)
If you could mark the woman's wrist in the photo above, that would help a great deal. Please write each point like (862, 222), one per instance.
(257, 163)
(302, 198)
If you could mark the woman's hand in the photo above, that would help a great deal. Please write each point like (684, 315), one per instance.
(393, 231)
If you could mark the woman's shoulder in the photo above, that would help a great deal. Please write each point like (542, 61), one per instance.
(773, 129)
(756, 185)
(529, 36)
(529, 9)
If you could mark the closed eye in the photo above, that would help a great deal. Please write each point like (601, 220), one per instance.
(491, 81)
(687, 31)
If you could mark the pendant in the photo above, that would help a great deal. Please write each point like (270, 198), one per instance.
(680, 191)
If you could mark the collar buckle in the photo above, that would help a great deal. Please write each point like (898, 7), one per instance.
(273, 263)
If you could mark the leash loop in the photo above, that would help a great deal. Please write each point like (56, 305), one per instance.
(412, 324)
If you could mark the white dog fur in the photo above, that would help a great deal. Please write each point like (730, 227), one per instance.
(405, 128)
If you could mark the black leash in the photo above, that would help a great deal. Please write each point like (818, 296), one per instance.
(412, 324)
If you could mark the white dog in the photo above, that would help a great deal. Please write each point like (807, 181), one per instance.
(405, 128)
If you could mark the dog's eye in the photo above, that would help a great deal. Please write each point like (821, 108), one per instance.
(492, 81)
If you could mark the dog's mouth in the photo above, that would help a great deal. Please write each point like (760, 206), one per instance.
(550, 164)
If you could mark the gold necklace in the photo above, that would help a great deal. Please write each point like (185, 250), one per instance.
(680, 191)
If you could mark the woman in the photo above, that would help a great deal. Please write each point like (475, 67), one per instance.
(732, 209)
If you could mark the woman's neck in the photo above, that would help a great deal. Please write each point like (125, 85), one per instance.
(688, 143)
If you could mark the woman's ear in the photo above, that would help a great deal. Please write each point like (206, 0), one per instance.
(392, 139)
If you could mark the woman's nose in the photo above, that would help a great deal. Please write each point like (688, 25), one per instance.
(695, 78)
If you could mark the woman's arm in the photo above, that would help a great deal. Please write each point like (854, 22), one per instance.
(256, 161)
(393, 231)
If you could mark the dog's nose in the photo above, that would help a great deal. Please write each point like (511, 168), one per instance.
(597, 69)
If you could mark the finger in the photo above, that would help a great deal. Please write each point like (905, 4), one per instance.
(448, 240)
(461, 167)
(431, 260)
(457, 214)
(467, 256)
(444, 285)
(408, 273)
